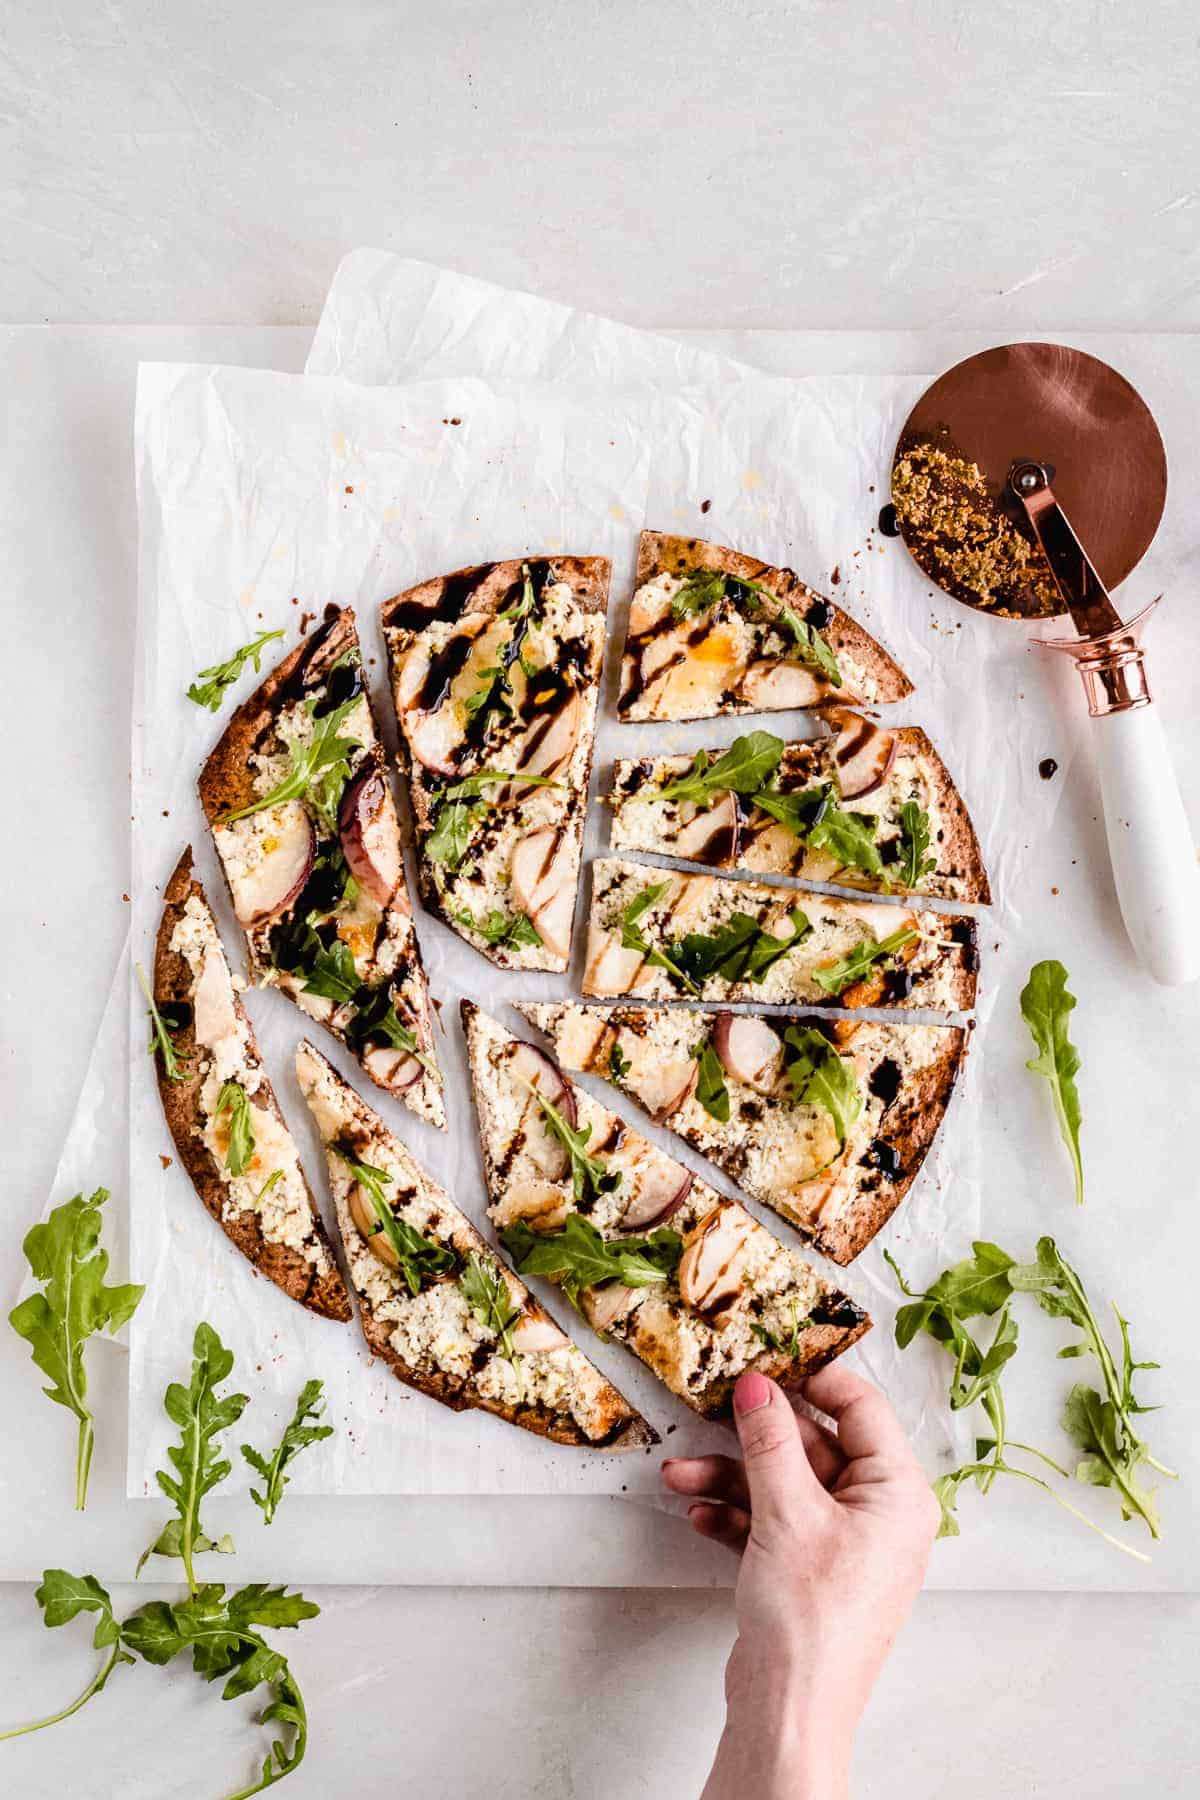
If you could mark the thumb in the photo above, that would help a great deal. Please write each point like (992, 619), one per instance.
(778, 1471)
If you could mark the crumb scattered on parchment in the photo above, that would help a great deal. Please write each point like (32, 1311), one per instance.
(164, 1160)
(964, 539)
(306, 619)
(704, 505)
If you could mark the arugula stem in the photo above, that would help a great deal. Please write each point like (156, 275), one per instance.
(83, 1459)
(1003, 1468)
(93, 1687)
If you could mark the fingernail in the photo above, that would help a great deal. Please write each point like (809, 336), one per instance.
(696, 1507)
(752, 1391)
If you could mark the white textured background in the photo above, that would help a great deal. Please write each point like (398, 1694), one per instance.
(731, 164)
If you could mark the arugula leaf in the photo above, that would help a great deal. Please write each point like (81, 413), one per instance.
(333, 974)
(273, 1180)
(915, 840)
(619, 1064)
(849, 838)
(63, 1255)
(319, 769)
(492, 696)
(789, 1346)
(835, 976)
(588, 1173)
(525, 604)
(983, 1472)
(741, 950)
(375, 1017)
(486, 1292)
(62, 1597)
(210, 685)
(508, 931)
(1046, 1005)
(820, 1077)
(201, 1415)
(1100, 1424)
(745, 767)
(300, 1431)
(234, 1100)
(811, 647)
(701, 589)
(711, 1090)
(797, 811)
(634, 938)
(578, 1257)
(173, 1060)
(451, 834)
(421, 1259)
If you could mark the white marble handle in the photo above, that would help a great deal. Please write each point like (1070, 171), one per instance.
(1150, 842)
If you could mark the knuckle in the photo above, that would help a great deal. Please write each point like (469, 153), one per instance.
(767, 1439)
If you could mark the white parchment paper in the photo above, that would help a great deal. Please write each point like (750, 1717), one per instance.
(269, 495)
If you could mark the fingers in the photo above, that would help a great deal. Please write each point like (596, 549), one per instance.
(709, 1478)
(866, 1425)
(727, 1525)
(778, 1472)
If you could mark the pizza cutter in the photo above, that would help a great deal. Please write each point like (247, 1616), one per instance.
(1065, 457)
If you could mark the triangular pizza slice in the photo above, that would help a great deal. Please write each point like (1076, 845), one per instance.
(714, 632)
(866, 806)
(222, 1113)
(436, 1302)
(495, 676)
(826, 1119)
(661, 936)
(303, 818)
(689, 1282)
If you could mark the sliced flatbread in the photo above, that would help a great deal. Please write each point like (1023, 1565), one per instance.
(691, 1283)
(317, 877)
(661, 936)
(472, 1335)
(267, 1209)
(909, 830)
(714, 632)
(495, 672)
(721, 1081)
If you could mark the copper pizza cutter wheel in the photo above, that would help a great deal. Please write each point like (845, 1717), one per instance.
(1028, 481)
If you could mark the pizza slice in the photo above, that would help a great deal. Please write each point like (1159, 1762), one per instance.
(867, 806)
(495, 675)
(689, 1282)
(712, 632)
(306, 828)
(222, 1112)
(661, 936)
(825, 1119)
(436, 1303)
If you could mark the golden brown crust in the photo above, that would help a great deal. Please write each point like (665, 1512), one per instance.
(961, 874)
(662, 552)
(298, 1278)
(913, 1121)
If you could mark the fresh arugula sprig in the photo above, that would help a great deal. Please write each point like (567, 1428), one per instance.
(234, 1100)
(915, 839)
(634, 938)
(174, 1061)
(747, 765)
(421, 1259)
(579, 1258)
(319, 769)
(850, 839)
(507, 931)
(820, 1077)
(836, 976)
(619, 1064)
(811, 647)
(1100, 1423)
(711, 1090)
(210, 685)
(699, 592)
(740, 950)
(453, 819)
(202, 1416)
(301, 1430)
(487, 1293)
(589, 1175)
(75, 1302)
(525, 604)
(331, 972)
(789, 1345)
(1046, 1006)
(223, 1635)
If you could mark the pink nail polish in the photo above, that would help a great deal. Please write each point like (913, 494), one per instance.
(752, 1391)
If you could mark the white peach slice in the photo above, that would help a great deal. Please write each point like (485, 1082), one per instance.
(660, 1192)
(711, 836)
(370, 834)
(710, 1269)
(543, 871)
(864, 754)
(749, 1050)
(266, 884)
(778, 684)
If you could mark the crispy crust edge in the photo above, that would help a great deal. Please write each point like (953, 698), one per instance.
(961, 843)
(660, 551)
(325, 1294)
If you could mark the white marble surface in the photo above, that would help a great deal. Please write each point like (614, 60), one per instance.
(727, 164)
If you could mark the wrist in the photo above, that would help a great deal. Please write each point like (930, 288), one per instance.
(781, 1743)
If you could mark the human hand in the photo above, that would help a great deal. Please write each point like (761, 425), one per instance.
(834, 1527)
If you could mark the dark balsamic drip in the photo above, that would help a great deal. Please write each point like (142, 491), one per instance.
(295, 686)
(481, 1356)
(898, 984)
(345, 683)
(444, 665)
(610, 1142)
(411, 615)
(838, 1309)
(1047, 768)
(177, 1015)
(970, 958)
(890, 852)
(719, 849)
(513, 1149)
(819, 615)
(964, 931)
(883, 1156)
(889, 524)
(885, 1081)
